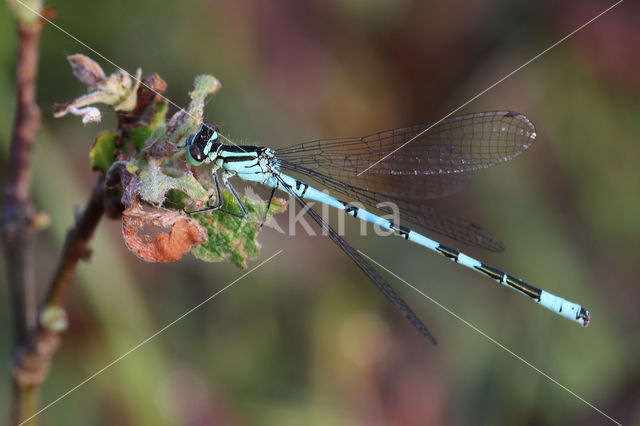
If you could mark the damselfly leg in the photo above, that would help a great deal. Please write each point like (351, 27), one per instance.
(266, 212)
(220, 200)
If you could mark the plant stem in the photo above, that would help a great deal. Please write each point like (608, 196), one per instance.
(32, 359)
(17, 228)
(76, 246)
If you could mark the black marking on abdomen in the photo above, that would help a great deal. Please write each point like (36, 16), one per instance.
(585, 315)
(525, 288)
(299, 184)
(512, 282)
(400, 230)
(448, 252)
(494, 273)
(349, 209)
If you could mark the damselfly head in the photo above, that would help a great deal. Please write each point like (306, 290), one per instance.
(202, 144)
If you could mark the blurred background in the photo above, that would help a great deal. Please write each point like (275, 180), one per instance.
(306, 339)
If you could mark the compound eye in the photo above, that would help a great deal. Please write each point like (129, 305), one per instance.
(196, 153)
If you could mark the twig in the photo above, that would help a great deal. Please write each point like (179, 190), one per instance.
(32, 359)
(18, 212)
(76, 246)
(18, 215)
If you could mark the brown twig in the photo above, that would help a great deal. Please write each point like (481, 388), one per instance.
(32, 359)
(76, 246)
(18, 214)
(18, 211)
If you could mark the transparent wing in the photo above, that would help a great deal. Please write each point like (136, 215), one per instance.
(420, 162)
(424, 216)
(369, 271)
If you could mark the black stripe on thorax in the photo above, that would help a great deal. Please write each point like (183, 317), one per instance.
(235, 159)
(249, 149)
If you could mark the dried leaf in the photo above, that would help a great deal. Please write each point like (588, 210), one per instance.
(158, 235)
(159, 149)
(86, 70)
(117, 90)
(125, 174)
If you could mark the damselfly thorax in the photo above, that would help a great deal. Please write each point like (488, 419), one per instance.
(248, 162)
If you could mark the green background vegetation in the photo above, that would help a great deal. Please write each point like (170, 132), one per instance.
(306, 339)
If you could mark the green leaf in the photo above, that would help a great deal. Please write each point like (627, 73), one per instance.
(102, 150)
(232, 238)
(160, 114)
(175, 199)
(155, 183)
(139, 137)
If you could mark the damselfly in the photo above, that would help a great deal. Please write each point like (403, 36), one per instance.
(405, 166)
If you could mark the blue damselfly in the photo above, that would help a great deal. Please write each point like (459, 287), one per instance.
(405, 166)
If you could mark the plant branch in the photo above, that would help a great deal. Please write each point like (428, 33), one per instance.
(18, 211)
(76, 246)
(17, 227)
(32, 360)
